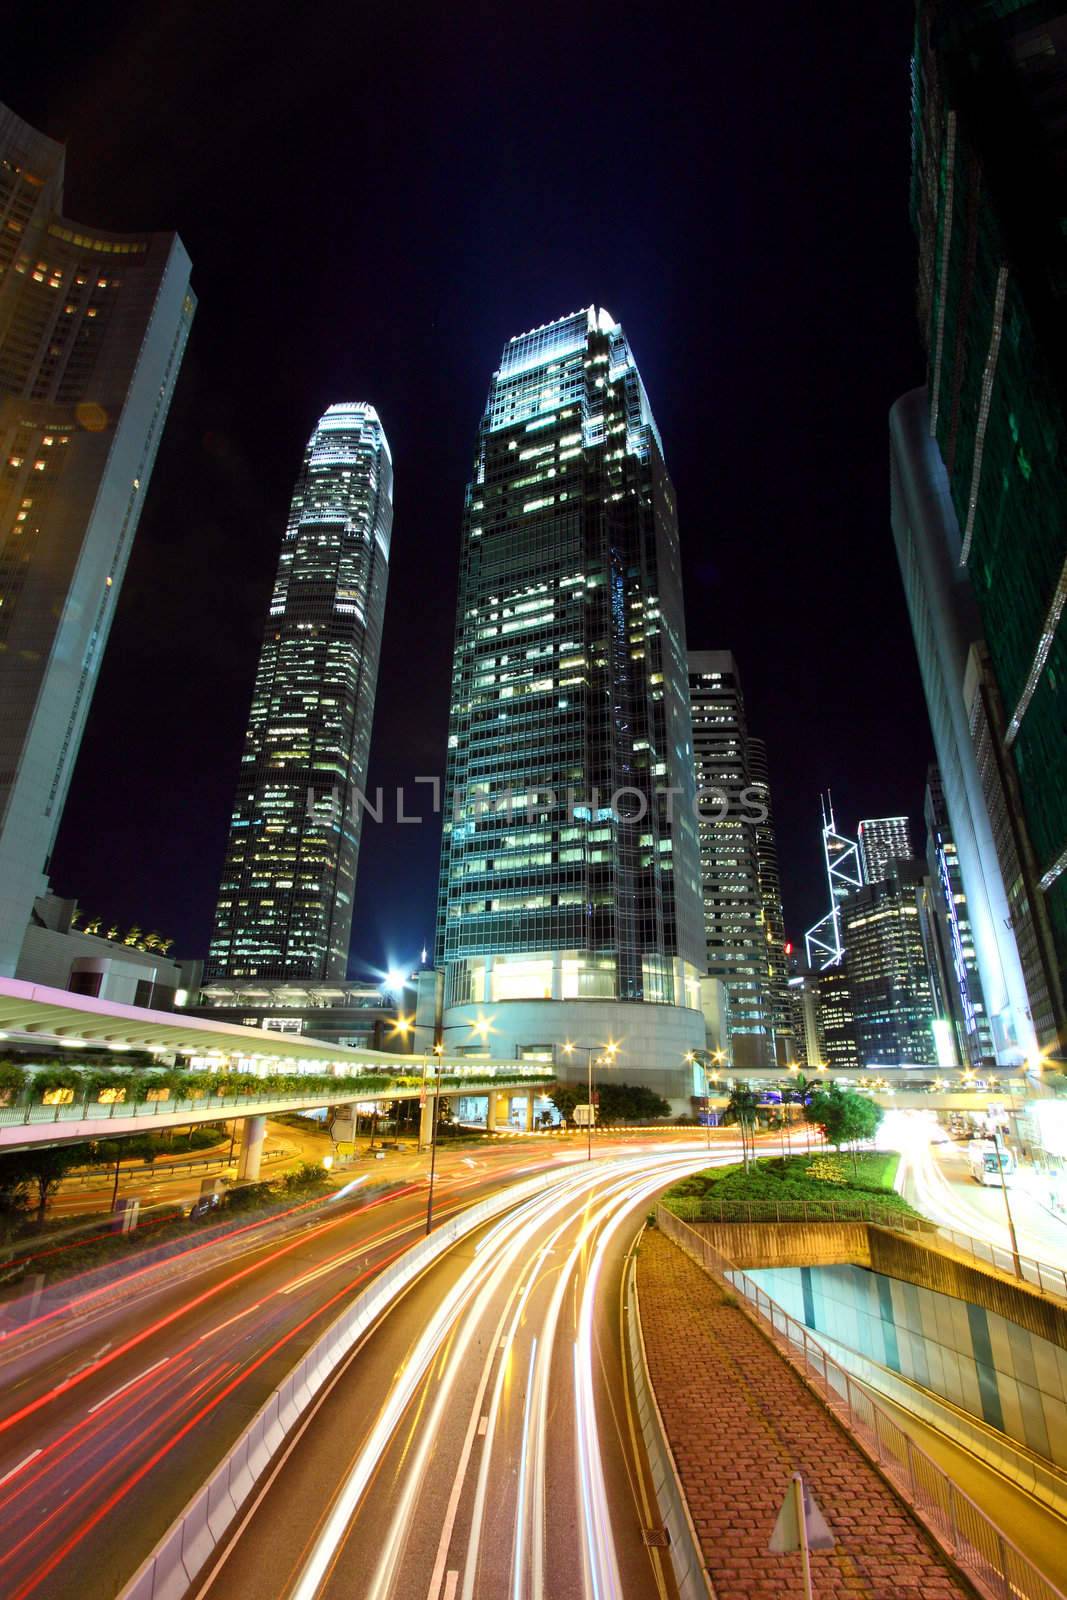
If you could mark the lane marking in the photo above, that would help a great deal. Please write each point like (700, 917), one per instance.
(23, 1463)
(127, 1385)
(451, 1584)
(483, 1424)
(229, 1323)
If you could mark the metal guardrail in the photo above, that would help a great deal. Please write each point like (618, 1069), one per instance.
(988, 1557)
(1039, 1274)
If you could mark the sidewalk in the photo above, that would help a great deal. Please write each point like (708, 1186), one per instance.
(740, 1422)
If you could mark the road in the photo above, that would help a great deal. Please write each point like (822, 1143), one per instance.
(111, 1423)
(936, 1180)
(481, 1440)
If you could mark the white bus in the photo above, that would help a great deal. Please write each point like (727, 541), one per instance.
(987, 1166)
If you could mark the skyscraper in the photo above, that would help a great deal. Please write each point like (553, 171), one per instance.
(743, 922)
(285, 898)
(1001, 898)
(93, 327)
(569, 906)
(881, 841)
(955, 956)
(888, 980)
(990, 159)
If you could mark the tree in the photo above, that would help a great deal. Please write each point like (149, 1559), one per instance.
(743, 1108)
(45, 1170)
(844, 1116)
(565, 1096)
(13, 1191)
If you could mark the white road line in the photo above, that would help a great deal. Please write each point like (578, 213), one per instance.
(229, 1324)
(482, 1427)
(32, 1457)
(127, 1385)
(451, 1584)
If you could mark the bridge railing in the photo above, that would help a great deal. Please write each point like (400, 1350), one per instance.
(986, 1554)
(1039, 1274)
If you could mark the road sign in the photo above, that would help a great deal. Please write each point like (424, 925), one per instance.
(800, 1526)
(585, 1116)
(788, 1530)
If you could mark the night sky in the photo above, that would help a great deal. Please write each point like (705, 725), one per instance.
(375, 197)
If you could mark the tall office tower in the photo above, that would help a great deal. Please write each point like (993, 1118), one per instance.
(824, 943)
(569, 905)
(1002, 897)
(285, 899)
(770, 891)
(892, 1003)
(735, 931)
(954, 954)
(881, 841)
(836, 1017)
(808, 1044)
(93, 327)
(989, 201)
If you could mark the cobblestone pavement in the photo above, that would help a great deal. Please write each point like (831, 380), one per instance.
(740, 1423)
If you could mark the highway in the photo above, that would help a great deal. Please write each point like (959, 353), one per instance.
(481, 1440)
(114, 1413)
(936, 1179)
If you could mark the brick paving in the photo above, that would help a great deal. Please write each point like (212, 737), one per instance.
(740, 1423)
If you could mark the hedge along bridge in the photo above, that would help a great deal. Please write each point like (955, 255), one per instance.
(56, 1021)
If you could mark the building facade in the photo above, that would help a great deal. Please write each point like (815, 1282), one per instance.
(881, 841)
(1001, 898)
(285, 898)
(885, 959)
(988, 204)
(955, 955)
(93, 327)
(569, 904)
(743, 922)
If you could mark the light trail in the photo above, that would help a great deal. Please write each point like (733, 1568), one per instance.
(514, 1258)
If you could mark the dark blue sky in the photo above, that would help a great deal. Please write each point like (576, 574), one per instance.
(375, 199)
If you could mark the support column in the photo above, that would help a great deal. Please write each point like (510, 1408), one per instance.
(253, 1133)
(529, 1115)
(557, 976)
(426, 1121)
(490, 1111)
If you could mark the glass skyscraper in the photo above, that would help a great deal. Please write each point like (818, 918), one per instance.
(742, 899)
(989, 205)
(285, 899)
(881, 841)
(569, 903)
(93, 327)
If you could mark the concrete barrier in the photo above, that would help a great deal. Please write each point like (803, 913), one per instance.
(687, 1561)
(789, 1244)
(187, 1545)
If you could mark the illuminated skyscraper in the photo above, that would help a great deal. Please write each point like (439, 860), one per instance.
(743, 923)
(989, 141)
(285, 899)
(569, 901)
(881, 841)
(93, 327)
(888, 980)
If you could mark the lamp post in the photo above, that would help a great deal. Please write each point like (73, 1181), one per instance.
(438, 1051)
(610, 1050)
(1007, 1205)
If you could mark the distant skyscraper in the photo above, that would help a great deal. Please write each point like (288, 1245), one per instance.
(570, 880)
(882, 840)
(93, 327)
(837, 1021)
(824, 943)
(955, 955)
(945, 624)
(285, 899)
(990, 163)
(887, 974)
(743, 922)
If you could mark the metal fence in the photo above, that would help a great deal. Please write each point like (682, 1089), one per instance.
(988, 1557)
(1040, 1274)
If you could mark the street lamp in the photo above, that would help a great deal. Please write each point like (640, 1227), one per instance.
(611, 1050)
(438, 1051)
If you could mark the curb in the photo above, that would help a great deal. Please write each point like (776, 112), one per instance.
(687, 1559)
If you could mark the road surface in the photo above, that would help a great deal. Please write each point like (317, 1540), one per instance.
(112, 1416)
(481, 1441)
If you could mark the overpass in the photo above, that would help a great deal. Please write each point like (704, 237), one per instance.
(898, 1088)
(51, 1021)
